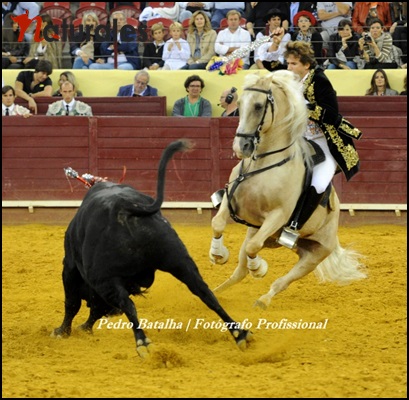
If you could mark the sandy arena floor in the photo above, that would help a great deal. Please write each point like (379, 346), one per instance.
(360, 353)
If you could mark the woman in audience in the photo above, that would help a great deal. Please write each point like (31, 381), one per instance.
(13, 51)
(343, 47)
(376, 47)
(44, 50)
(70, 77)
(83, 46)
(380, 85)
(193, 105)
(304, 22)
(201, 38)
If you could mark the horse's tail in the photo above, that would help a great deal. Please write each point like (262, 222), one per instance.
(342, 266)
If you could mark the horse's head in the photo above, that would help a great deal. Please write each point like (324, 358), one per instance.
(272, 113)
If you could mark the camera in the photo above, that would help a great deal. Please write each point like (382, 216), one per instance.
(367, 38)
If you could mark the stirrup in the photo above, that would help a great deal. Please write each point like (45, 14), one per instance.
(217, 198)
(289, 237)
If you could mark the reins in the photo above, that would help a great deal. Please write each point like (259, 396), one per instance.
(256, 138)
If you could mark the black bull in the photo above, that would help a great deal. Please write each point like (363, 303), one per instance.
(114, 245)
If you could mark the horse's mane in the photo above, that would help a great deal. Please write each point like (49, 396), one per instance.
(290, 111)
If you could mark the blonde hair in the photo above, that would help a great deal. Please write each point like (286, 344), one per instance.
(176, 25)
(92, 15)
(157, 27)
(233, 12)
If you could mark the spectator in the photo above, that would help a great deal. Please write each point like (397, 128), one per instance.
(70, 77)
(228, 100)
(201, 38)
(330, 14)
(295, 7)
(233, 38)
(343, 47)
(193, 105)
(128, 56)
(31, 84)
(176, 51)
(221, 10)
(364, 11)
(380, 85)
(85, 49)
(404, 92)
(140, 87)
(399, 11)
(305, 22)
(13, 52)
(21, 7)
(399, 32)
(44, 50)
(257, 13)
(153, 51)
(160, 12)
(188, 9)
(9, 108)
(270, 55)
(68, 105)
(376, 47)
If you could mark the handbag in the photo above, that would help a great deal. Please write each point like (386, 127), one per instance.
(88, 49)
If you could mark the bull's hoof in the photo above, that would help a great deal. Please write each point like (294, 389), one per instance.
(142, 347)
(242, 337)
(60, 333)
(221, 258)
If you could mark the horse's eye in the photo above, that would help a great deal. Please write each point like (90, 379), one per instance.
(258, 106)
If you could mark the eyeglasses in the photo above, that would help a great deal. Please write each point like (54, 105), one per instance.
(197, 86)
(141, 83)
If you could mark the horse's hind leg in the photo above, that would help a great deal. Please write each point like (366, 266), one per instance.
(311, 254)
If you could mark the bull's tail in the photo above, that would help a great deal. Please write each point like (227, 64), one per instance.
(171, 149)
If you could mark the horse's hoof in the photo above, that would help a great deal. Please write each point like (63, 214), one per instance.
(261, 271)
(263, 302)
(219, 258)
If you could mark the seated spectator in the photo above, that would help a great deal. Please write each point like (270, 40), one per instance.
(404, 92)
(9, 108)
(44, 50)
(160, 12)
(193, 105)
(270, 55)
(86, 51)
(228, 100)
(365, 11)
(140, 87)
(188, 9)
(221, 10)
(176, 51)
(343, 47)
(330, 14)
(68, 105)
(31, 84)
(257, 13)
(296, 7)
(13, 52)
(19, 8)
(305, 22)
(201, 38)
(127, 57)
(233, 38)
(376, 47)
(380, 85)
(64, 77)
(153, 51)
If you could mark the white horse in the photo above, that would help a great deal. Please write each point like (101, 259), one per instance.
(265, 186)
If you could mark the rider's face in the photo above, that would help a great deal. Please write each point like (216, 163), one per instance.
(294, 64)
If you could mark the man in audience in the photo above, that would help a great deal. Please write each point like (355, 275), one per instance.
(68, 105)
(233, 38)
(9, 108)
(228, 100)
(140, 87)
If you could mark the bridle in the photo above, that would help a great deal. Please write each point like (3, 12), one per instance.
(255, 136)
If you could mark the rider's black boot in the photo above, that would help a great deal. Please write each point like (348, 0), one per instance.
(289, 235)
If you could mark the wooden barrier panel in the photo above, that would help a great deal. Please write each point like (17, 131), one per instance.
(111, 106)
(36, 149)
(373, 106)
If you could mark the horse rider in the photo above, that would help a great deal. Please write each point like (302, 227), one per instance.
(326, 127)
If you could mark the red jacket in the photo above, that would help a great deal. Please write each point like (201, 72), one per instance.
(361, 11)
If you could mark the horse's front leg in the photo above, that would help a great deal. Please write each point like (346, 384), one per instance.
(219, 254)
